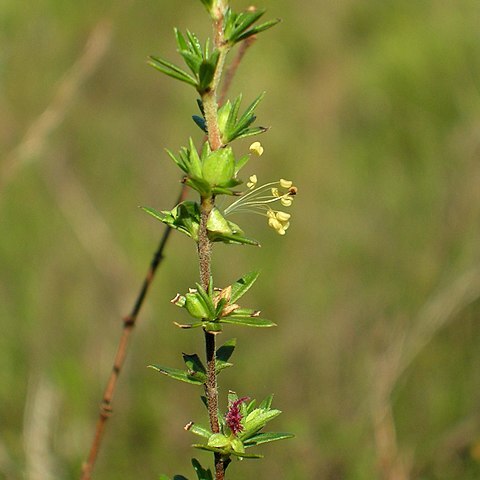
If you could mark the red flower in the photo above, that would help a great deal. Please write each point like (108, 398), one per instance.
(234, 417)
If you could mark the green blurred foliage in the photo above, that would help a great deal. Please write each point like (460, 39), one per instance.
(375, 114)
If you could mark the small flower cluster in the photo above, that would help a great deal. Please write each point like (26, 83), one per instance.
(234, 417)
(259, 199)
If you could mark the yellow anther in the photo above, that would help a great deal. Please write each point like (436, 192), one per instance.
(282, 216)
(256, 148)
(252, 182)
(285, 183)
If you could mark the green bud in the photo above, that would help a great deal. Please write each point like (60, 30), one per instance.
(218, 223)
(195, 306)
(218, 440)
(219, 167)
(237, 445)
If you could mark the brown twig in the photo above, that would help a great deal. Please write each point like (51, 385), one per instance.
(129, 323)
(233, 67)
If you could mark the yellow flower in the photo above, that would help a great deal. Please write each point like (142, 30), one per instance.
(258, 200)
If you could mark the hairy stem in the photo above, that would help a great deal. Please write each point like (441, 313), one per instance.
(210, 105)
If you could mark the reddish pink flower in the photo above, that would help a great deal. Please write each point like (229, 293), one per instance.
(233, 418)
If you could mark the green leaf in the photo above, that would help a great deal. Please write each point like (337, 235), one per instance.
(244, 119)
(224, 353)
(242, 285)
(194, 363)
(181, 42)
(198, 430)
(172, 70)
(179, 161)
(200, 121)
(207, 300)
(267, 403)
(164, 477)
(202, 474)
(256, 420)
(193, 61)
(179, 477)
(195, 367)
(189, 325)
(240, 163)
(195, 45)
(243, 21)
(154, 213)
(232, 117)
(196, 306)
(260, 438)
(195, 169)
(248, 321)
(258, 29)
(250, 132)
(206, 72)
(177, 374)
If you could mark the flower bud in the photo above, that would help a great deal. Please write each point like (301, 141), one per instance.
(219, 167)
(195, 306)
(218, 440)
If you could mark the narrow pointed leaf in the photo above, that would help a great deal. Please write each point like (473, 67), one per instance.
(179, 161)
(200, 121)
(249, 322)
(193, 62)
(193, 362)
(172, 70)
(202, 473)
(249, 132)
(244, 21)
(242, 285)
(207, 301)
(195, 43)
(226, 350)
(251, 109)
(198, 430)
(177, 374)
(154, 213)
(260, 438)
(267, 403)
(233, 115)
(258, 29)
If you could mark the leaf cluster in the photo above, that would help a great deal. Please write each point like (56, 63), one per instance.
(201, 61)
(231, 127)
(254, 419)
(239, 26)
(196, 373)
(185, 218)
(218, 306)
(210, 173)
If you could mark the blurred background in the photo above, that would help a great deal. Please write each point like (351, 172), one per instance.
(374, 110)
